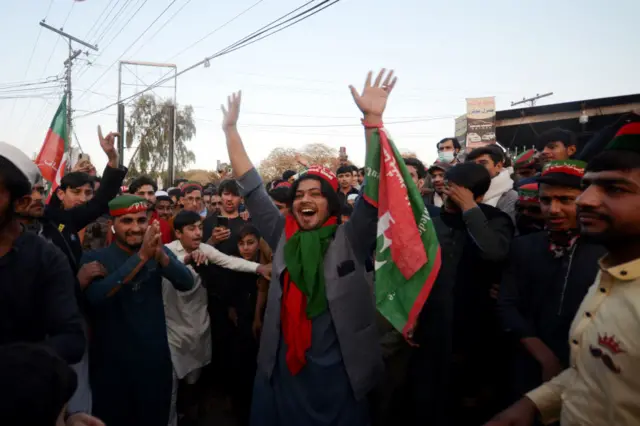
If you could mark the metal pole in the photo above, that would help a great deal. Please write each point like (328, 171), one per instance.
(69, 63)
(171, 135)
(120, 118)
(70, 37)
(121, 131)
(174, 125)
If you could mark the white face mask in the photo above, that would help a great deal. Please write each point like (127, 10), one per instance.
(446, 156)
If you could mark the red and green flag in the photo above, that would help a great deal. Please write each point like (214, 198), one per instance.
(407, 256)
(53, 157)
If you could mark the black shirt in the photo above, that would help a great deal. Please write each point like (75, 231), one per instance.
(230, 245)
(218, 279)
(343, 197)
(37, 299)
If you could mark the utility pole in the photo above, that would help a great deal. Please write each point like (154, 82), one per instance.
(68, 63)
(532, 100)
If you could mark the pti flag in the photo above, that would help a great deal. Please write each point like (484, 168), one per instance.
(53, 157)
(407, 257)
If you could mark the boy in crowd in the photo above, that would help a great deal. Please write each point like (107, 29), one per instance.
(345, 181)
(247, 298)
(437, 172)
(501, 193)
(526, 165)
(164, 205)
(556, 145)
(187, 317)
(528, 214)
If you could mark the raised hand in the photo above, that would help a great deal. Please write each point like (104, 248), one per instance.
(109, 147)
(461, 196)
(232, 112)
(373, 99)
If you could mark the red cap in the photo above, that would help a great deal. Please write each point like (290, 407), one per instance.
(323, 173)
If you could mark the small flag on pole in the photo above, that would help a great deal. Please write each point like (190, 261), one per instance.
(407, 256)
(53, 157)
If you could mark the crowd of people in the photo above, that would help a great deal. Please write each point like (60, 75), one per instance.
(138, 305)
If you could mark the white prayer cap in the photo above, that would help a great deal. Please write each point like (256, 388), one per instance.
(162, 194)
(21, 161)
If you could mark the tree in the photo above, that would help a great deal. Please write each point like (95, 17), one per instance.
(147, 129)
(281, 159)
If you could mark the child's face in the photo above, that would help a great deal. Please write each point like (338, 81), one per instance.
(248, 246)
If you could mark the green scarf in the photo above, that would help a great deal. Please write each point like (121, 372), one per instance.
(304, 257)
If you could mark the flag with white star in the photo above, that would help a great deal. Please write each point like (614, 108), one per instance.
(407, 256)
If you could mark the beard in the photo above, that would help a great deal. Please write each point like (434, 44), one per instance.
(122, 240)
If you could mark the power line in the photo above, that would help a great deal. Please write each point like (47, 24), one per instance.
(27, 89)
(219, 28)
(103, 49)
(234, 46)
(109, 26)
(48, 80)
(31, 96)
(286, 26)
(98, 19)
(162, 27)
(132, 44)
(421, 120)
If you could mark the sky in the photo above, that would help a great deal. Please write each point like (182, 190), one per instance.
(295, 83)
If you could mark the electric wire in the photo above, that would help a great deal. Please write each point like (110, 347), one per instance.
(233, 46)
(130, 46)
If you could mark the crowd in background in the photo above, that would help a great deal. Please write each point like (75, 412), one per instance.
(144, 305)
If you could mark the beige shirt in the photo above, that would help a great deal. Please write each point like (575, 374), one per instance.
(602, 385)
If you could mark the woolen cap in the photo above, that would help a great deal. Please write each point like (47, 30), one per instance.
(21, 161)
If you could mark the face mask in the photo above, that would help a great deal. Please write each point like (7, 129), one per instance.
(446, 156)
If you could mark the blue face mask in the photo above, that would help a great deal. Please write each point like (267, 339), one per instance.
(446, 156)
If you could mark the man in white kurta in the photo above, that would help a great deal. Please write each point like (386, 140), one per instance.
(187, 317)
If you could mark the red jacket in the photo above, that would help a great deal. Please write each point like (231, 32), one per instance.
(165, 228)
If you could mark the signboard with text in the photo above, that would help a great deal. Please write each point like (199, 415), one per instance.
(481, 122)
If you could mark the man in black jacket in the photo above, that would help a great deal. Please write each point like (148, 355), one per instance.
(60, 225)
(549, 274)
(37, 300)
(458, 316)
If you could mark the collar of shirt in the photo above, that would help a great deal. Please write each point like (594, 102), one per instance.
(628, 271)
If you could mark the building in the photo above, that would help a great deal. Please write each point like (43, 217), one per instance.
(517, 128)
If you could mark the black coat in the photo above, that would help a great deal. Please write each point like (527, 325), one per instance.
(37, 301)
(471, 245)
(540, 295)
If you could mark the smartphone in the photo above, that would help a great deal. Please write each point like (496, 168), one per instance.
(223, 221)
